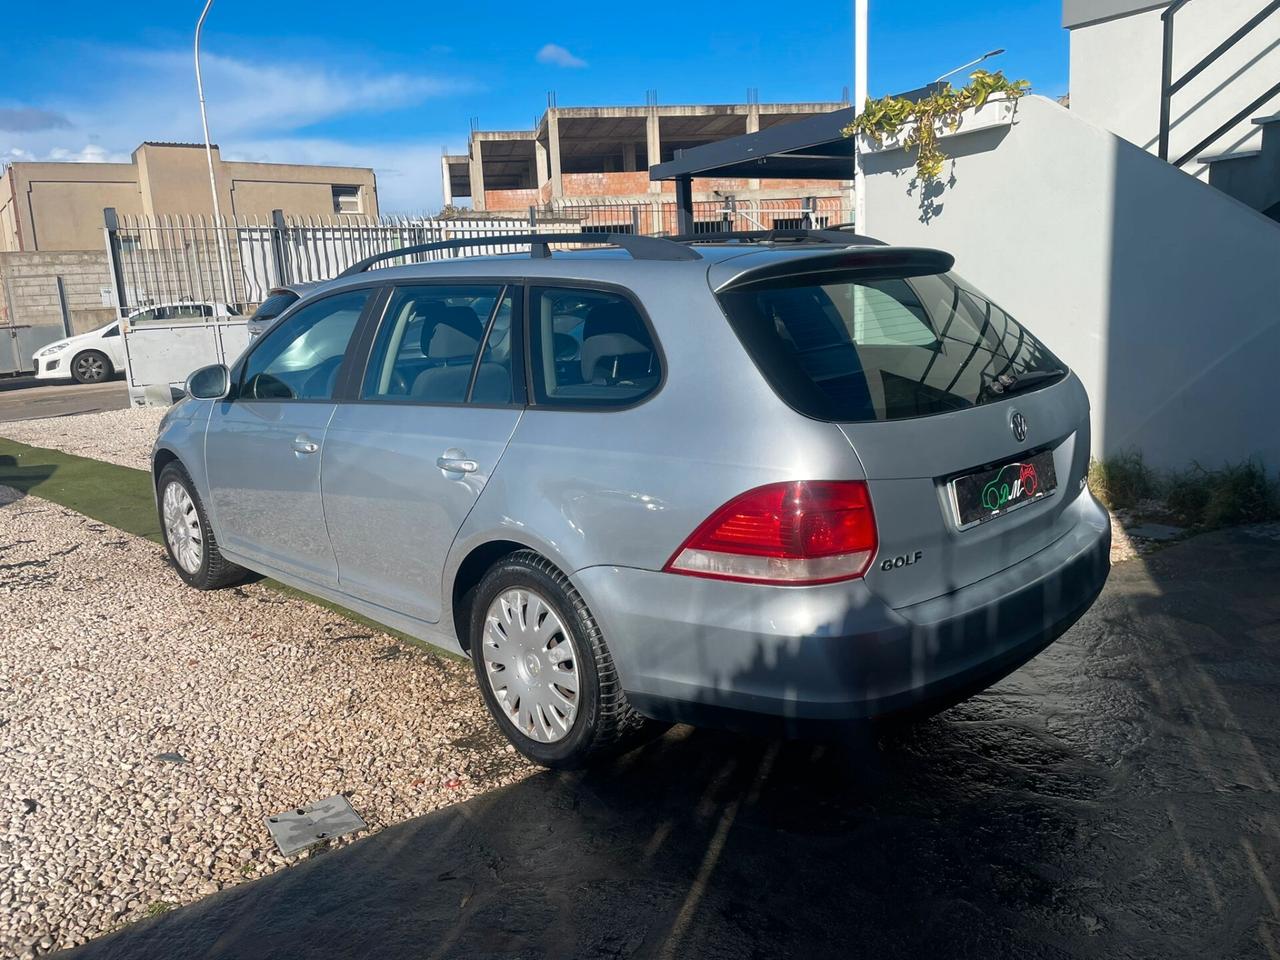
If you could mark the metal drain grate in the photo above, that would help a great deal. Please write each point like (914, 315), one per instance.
(302, 827)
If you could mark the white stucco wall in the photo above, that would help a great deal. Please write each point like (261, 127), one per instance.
(1115, 75)
(1159, 291)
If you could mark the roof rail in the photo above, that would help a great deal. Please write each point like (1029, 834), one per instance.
(640, 248)
(842, 237)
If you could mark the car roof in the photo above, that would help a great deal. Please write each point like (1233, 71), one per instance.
(606, 264)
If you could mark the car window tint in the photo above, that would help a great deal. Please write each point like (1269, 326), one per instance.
(427, 345)
(274, 305)
(299, 359)
(590, 348)
(111, 332)
(854, 348)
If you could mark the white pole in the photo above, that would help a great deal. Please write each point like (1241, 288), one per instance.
(223, 265)
(859, 105)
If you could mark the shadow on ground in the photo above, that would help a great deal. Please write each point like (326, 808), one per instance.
(1116, 797)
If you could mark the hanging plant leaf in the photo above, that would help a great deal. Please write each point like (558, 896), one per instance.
(941, 110)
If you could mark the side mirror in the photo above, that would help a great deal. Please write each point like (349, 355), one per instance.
(209, 383)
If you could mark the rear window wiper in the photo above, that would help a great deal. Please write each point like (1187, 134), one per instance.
(1007, 383)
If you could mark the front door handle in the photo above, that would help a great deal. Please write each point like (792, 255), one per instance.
(457, 465)
(304, 444)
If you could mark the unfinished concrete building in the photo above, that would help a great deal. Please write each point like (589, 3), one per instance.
(598, 156)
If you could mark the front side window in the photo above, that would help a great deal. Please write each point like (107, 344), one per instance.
(443, 344)
(887, 348)
(590, 348)
(300, 358)
(112, 331)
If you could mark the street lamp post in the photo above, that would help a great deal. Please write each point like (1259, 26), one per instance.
(972, 63)
(223, 266)
(859, 105)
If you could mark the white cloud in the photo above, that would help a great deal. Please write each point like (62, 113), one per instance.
(558, 56)
(255, 112)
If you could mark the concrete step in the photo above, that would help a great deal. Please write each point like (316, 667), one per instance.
(1252, 176)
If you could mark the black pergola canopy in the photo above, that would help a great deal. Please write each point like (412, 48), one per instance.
(814, 148)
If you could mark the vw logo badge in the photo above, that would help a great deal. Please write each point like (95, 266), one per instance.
(1018, 424)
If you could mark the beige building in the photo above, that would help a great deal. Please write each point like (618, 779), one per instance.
(58, 205)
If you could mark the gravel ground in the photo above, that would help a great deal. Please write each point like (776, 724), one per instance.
(116, 436)
(109, 662)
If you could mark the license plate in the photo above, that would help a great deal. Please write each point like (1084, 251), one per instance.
(995, 491)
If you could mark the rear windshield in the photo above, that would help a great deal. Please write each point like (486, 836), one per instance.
(275, 305)
(887, 348)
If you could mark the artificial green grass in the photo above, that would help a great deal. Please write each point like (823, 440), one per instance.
(122, 497)
(119, 496)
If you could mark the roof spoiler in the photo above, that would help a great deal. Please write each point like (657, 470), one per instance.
(860, 261)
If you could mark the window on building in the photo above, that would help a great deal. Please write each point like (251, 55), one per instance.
(346, 199)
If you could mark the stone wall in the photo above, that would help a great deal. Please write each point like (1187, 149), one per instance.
(29, 289)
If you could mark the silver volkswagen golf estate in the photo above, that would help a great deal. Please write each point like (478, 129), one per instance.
(787, 481)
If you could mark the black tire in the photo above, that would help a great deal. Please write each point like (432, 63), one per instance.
(606, 724)
(215, 571)
(91, 366)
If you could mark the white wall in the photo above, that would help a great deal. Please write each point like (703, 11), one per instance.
(1115, 75)
(1159, 291)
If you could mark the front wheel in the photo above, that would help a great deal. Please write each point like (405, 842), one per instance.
(544, 669)
(91, 367)
(188, 538)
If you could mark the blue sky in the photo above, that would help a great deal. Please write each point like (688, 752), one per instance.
(389, 85)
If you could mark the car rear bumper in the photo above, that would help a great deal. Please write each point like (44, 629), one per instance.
(745, 655)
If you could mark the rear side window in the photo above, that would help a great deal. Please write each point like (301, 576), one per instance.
(888, 348)
(590, 348)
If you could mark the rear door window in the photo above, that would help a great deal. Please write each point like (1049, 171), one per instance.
(590, 348)
(443, 344)
(889, 348)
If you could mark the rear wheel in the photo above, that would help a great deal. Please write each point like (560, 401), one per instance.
(544, 669)
(188, 538)
(91, 366)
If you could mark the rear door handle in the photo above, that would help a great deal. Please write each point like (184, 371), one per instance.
(304, 444)
(457, 464)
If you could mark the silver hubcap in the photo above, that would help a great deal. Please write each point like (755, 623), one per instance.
(182, 527)
(529, 661)
(91, 368)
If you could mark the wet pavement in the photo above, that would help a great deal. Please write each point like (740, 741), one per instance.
(1116, 797)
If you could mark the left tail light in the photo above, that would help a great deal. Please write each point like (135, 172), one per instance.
(793, 533)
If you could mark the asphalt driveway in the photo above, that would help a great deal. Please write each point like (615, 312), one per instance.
(26, 398)
(1115, 798)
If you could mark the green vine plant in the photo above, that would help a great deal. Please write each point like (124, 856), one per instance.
(940, 111)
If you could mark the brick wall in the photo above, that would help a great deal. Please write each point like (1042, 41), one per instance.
(29, 289)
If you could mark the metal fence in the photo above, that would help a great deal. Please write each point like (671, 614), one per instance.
(658, 216)
(175, 259)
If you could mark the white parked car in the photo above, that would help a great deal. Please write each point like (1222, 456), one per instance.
(94, 356)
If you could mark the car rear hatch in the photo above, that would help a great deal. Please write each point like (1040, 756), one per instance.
(972, 436)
